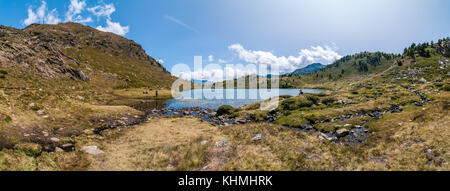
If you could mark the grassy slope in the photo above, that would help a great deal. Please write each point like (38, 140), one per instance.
(356, 66)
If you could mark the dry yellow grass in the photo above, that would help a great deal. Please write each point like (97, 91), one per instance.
(158, 144)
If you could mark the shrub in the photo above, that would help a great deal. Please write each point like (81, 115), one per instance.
(446, 105)
(295, 103)
(329, 100)
(35, 108)
(3, 72)
(5, 118)
(285, 96)
(312, 118)
(225, 110)
(289, 104)
(314, 99)
(254, 106)
(259, 116)
(304, 103)
(447, 87)
(29, 149)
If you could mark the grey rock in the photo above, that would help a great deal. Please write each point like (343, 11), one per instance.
(257, 137)
(93, 150)
(336, 127)
(342, 132)
(81, 98)
(68, 147)
(422, 81)
(54, 139)
(40, 112)
(240, 121)
(221, 144)
(328, 136)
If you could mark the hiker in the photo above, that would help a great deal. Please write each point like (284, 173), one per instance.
(156, 93)
(301, 92)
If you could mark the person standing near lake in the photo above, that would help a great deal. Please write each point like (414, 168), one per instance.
(156, 93)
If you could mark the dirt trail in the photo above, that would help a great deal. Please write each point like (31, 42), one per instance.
(160, 144)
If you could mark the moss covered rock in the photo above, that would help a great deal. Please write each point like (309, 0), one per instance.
(225, 110)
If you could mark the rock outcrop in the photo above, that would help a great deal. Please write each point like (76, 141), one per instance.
(41, 49)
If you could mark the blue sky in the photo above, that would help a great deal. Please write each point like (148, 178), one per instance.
(287, 33)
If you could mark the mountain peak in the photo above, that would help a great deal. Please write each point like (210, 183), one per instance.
(309, 69)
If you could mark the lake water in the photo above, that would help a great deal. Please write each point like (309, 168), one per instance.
(213, 99)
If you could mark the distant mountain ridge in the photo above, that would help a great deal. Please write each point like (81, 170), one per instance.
(308, 69)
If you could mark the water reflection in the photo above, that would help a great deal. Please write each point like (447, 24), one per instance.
(208, 99)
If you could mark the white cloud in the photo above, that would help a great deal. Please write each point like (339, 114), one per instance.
(32, 17)
(325, 55)
(211, 58)
(75, 8)
(114, 27)
(103, 11)
(179, 22)
(52, 17)
(74, 14)
(259, 62)
(41, 15)
(41, 10)
(221, 61)
(216, 73)
(161, 61)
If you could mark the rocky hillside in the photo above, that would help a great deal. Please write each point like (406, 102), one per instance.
(57, 81)
(81, 53)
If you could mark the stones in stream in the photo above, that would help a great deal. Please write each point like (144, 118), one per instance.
(208, 115)
(356, 136)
